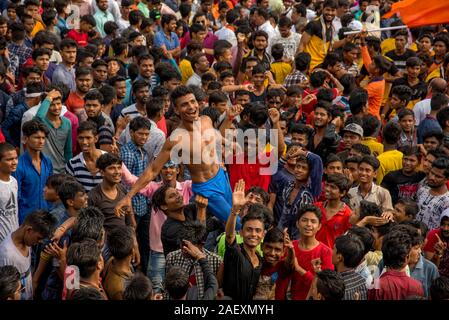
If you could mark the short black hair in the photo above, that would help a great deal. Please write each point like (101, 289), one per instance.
(154, 106)
(358, 99)
(121, 242)
(88, 126)
(159, 197)
(330, 285)
(179, 92)
(317, 78)
(439, 289)
(139, 123)
(403, 92)
(89, 19)
(87, 293)
(94, 94)
(41, 222)
(405, 112)
(138, 288)
(434, 134)
(274, 235)
(106, 160)
(176, 282)
(443, 117)
(365, 236)
(411, 208)
(6, 147)
(277, 51)
(68, 190)
(85, 255)
(139, 84)
(309, 208)
(68, 43)
(195, 232)
(340, 180)
(9, 281)
(372, 161)
(438, 101)
(396, 246)
(442, 164)
(260, 191)
(392, 133)
(256, 211)
(88, 225)
(370, 124)
(351, 248)
(217, 97)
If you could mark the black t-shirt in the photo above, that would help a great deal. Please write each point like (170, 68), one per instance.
(240, 277)
(419, 91)
(171, 230)
(260, 98)
(400, 60)
(314, 28)
(402, 186)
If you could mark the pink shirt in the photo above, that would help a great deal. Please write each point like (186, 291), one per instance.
(75, 124)
(157, 218)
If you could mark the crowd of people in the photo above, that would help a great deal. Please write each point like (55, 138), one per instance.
(346, 199)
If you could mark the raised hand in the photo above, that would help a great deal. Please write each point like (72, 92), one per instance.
(234, 111)
(238, 196)
(440, 246)
(308, 99)
(192, 250)
(56, 251)
(201, 202)
(274, 115)
(123, 207)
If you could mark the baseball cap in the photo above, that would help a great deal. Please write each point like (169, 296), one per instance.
(355, 25)
(155, 15)
(354, 128)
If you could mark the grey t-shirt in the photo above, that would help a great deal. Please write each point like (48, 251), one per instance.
(10, 255)
(9, 211)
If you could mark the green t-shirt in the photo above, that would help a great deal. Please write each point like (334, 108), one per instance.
(221, 246)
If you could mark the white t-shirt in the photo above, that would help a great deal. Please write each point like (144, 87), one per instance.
(10, 255)
(290, 44)
(9, 211)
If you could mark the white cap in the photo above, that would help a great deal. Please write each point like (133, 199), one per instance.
(355, 25)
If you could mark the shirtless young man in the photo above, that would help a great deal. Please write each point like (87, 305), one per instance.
(208, 177)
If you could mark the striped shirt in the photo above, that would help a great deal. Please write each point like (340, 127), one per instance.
(354, 283)
(76, 167)
(131, 111)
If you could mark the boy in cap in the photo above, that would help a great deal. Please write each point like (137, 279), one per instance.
(352, 134)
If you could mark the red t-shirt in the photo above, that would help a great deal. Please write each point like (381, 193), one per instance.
(308, 108)
(335, 226)
(395, 285)
(162, 124)
(74, 102)
(251, 173)
(80, 38)
(432, 239)
(300, 285)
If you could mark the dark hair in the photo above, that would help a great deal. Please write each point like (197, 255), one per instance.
(442, 164)
(403, 92)
(194, 46)
(415, 237)
(277, 51)
(365, 236)
(48, 16)
(217, 97)
(357, 101)
(85, 255)
(68, 190)
(138, 84)
(340, 180)
(67, 43)
(418, 225)
(159, 197)
(197, 27)
(139, 123)
(176, 282)
(438, 101)
(220, 47)
(413, 62)
(439, 290)
(351, 248)
(274, 235)
(99, 63)
(382, 63)
(392, 133)
(348, 82)
(138, 288)
(88, 225)
(195, 232)
(179, 92)
(87, 126)
(370, 124)
(195, 59)
(106, 160)
(94, 94)
(405, 112)
(17, 31)
(260, 191)
(34, 126)
(5, 147)
(330, 284)
(332, 158)
(396, 246)
(434, 134)
(443, 117)
(262, 12)
(256, 211)
(166, 73)
(41, 222)
(166, 19)
(317, 78)
(9, 281)
(260, 33)
(372, 161)
(135, 16)
(121, 242)
(110, 27)
(119, 45)
(86, 293)
(212, 113)
(309, 208)
(89, 19)
(225, 74)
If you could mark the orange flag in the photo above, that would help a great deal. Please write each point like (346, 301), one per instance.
(417, 13)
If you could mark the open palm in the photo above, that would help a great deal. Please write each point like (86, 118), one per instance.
(238, 196)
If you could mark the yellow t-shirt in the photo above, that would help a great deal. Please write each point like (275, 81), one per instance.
(316, 46)
(280, 70)
(37, 27)
(375, 147)
(389, 161)
(186, 70)
(389, 44)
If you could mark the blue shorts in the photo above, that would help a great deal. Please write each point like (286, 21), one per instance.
(218, 192)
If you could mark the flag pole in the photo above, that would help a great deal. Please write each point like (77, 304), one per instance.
(375, 30)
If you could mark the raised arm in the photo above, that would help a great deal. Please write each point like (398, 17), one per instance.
(275, 116)
(238, 201)
(148, 175)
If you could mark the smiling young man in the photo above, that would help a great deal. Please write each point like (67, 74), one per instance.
(58, 146)
(403, 183)
(83, 166)
(433, 197)
(209, 179)
(75, 101)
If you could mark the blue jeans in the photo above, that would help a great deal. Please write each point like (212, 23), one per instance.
(156, 270)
